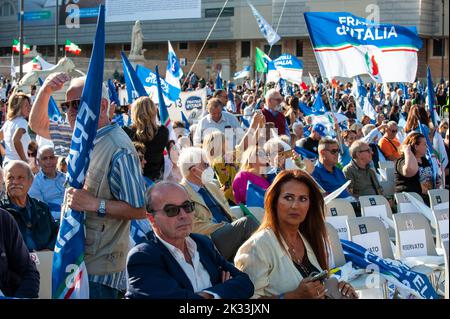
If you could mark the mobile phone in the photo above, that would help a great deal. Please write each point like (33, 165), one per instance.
(320, 276)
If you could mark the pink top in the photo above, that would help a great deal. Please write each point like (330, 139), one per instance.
(240, 185)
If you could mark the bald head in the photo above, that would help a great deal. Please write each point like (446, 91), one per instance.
(161, 193)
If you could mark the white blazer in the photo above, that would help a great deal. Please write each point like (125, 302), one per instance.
(269, 266)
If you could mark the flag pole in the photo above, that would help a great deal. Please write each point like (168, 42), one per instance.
(204, 43)
(21, 40)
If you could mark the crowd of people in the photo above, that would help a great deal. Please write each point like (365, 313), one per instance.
(179, 188)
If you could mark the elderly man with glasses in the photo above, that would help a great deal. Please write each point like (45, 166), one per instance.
(213, 216)
(326, 173)
(273, 113)
(358, 171)
(113, 193)
(176, 264)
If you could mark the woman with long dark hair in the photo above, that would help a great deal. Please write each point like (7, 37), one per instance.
(291, 243)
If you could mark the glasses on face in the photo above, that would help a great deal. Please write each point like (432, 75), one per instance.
(367, 150)
(394, 131)
(71, 104)
(46, 158)
(333, 151)
(174, 210)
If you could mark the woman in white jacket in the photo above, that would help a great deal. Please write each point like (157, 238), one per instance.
(290, 244)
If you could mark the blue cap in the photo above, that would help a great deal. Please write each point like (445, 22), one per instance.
(320, 128)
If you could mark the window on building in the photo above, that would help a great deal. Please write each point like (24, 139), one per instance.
(299, 48)
(275, 52)
(7, 9)
(245, 49)
(212, 45)
(438, 47)
(182, 45)
(214, 12)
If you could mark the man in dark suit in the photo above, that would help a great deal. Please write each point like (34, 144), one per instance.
(175, 264)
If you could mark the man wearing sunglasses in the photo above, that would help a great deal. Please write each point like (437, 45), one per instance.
(389, 144)
(326, 173)
(176, 264)
(213, 216)
(273, 114)
(113, 193)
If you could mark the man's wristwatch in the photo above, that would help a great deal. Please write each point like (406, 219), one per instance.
(101, 212)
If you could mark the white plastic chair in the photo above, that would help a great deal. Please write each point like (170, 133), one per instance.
(403, 203)
(438, 198)
(337, 211)
(376, 205)
(258, 212)
(445, 244)
(442, 230)
(237, 211)
(360, 282)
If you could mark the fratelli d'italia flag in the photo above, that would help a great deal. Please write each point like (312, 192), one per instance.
(72, 47)
(16, 47)
(346, 45)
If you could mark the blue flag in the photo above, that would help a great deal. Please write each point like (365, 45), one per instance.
(306, 110)
(163, 113)
(185, 120)
(173, 73)
(283, 87)
(305, 153)
(231, 103)
(371, 93)
(361, 258)
(431, 97)
(135, 89)
(69, 274)
(53, 112)
(318, 107)
(113, 97)
(255, 195)
(269, 33)
(148, 79)
(219, 82)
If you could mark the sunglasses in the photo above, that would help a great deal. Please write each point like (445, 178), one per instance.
(334, 152)
(174, 210)
(70, 104)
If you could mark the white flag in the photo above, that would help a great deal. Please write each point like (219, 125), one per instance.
(271, 36)
(13, 69)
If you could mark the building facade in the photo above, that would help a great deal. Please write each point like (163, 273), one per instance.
(233, 41)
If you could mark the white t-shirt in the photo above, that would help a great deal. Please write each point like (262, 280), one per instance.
(8, 129)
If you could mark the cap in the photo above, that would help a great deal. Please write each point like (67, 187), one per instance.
(320, 128)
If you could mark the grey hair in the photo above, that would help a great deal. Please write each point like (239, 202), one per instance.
(356, 147)
(44, 148)
(155, 187)
(391, 124)
(82, 80)
(13, 163)
(189, 157)
(270, 93)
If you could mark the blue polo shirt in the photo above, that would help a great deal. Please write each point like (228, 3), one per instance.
(330, 181)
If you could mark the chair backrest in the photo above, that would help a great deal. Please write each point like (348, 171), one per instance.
(44, 261)
(377, 206)
(413, 235)
(258, 212)
(337, 212)
(441, 218)
(336, 247)
(403, 203)
(339, 207)
(445, 244)
(371, 233)
(438, 198)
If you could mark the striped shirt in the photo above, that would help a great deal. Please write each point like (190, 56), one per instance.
(126, 184)
(61, 135)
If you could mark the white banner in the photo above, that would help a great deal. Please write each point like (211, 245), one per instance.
(132, 10)
(193, 105)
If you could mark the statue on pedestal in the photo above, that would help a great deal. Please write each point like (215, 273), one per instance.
(137, 41)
